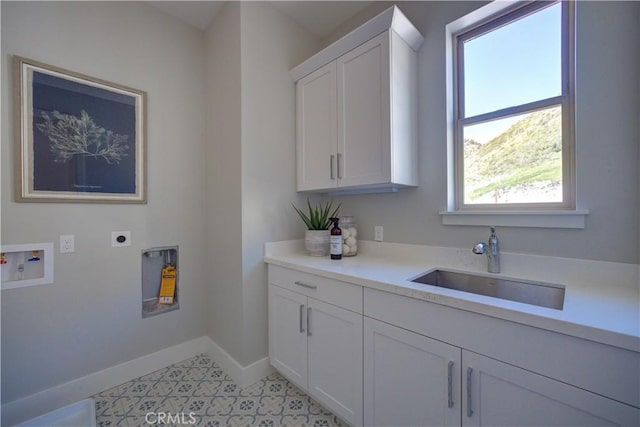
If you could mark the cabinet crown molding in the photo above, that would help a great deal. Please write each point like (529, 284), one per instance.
(390, 19)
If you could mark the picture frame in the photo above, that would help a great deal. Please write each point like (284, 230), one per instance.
(79, 139)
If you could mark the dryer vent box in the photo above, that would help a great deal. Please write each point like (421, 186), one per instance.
(153, 261)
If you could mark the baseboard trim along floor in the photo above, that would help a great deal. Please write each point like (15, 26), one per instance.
(64, 394)
(243, 376)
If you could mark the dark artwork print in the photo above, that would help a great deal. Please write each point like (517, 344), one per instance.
(83, 137)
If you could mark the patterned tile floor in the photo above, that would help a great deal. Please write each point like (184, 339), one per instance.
(197, 392)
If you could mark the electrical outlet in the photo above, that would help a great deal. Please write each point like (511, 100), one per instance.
(120, 239)
(378, 234)
(67, 244)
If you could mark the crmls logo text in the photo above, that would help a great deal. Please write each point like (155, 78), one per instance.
(169, 418)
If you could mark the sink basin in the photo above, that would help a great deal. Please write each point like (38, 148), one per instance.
(540, 294)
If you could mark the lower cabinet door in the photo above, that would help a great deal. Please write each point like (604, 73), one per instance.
(498, 394)
(288, 334)
(409, 379)
(335, 359)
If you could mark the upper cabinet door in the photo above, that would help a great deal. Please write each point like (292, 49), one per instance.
(364, 150)
(316, 133)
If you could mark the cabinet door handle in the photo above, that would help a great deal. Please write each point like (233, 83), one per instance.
(469, 410)
(331, 157)
(338, 165)
(308, 321)
(301, 317)
(450, 384)
(305, 285)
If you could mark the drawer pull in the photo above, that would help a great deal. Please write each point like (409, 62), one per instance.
(469, 410)
(450, 384)
(301, 317)
(305, 285)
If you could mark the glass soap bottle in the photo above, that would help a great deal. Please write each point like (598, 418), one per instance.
(336, 240)
(349, 236)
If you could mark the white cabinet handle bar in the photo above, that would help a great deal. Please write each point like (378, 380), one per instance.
(331, 157)
(469, 410)
(305, 285)
(450, 384)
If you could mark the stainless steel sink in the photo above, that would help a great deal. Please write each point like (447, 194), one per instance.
(540, 294)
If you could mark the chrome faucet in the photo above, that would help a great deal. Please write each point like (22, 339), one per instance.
(492, 251)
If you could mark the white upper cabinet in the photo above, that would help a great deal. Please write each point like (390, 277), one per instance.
(356, 111)
(364, 140)
(316, 129)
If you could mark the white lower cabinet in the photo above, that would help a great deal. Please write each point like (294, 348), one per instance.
(287, 334)
(413, 380)
(499, 394)
(380, 359)
(409, 379)
(318, 346)
(335, 359)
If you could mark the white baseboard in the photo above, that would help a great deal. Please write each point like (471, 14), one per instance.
(64, 394)
(242, 375)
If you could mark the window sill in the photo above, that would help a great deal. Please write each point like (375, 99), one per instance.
(540, 219)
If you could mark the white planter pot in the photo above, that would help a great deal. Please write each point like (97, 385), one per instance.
(317, 242)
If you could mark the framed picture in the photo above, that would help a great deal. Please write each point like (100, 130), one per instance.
(79, 139)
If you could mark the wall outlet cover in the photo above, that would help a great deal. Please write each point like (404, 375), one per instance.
(67, 244)
(120, 239)
(378, 234)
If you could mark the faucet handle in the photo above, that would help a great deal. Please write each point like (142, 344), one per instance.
(480, 248)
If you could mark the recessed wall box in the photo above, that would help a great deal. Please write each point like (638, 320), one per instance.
(154, 260)
(26, 265)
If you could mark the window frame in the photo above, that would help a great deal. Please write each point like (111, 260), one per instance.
(470, 27)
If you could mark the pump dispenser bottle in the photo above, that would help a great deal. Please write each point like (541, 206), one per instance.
(336, 240)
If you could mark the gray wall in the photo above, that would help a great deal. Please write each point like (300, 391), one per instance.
(271, 45)
(608, 104)
(224, 181)
(90, 318)
(251, 164)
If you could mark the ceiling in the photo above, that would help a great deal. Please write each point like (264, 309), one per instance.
(320, 18)
(196, 13)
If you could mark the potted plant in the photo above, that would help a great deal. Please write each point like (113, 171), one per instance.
(316, 238)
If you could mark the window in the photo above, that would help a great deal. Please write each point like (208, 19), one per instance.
(511, 109)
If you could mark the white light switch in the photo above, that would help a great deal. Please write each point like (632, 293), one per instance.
(67, 244)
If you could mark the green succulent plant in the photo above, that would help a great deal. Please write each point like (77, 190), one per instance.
(319, 216)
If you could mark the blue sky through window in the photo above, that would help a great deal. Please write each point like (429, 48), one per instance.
(512, 65)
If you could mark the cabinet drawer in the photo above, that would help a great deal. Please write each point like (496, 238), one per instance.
(342, 294)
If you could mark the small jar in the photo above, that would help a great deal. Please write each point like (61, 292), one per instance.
(349, 236)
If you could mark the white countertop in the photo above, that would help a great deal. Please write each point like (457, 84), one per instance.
(601, 303)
